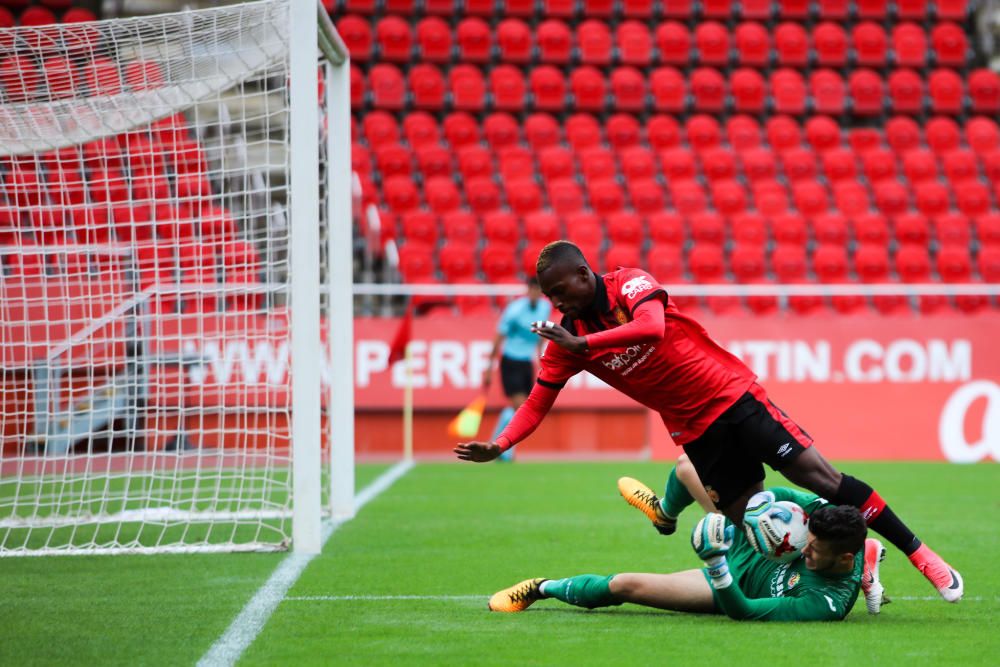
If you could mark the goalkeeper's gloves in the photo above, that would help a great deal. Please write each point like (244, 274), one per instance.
(759, 500)
(711, 539)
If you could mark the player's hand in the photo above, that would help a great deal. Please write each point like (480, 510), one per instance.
(564, 339)
(479, 452)
(712, 536)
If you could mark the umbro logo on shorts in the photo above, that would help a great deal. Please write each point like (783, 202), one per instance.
(785, 449)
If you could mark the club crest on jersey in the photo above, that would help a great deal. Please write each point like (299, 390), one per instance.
(620, 316)
(794, 579)
(635, 286)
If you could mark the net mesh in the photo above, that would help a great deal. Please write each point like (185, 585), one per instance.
(144, 243)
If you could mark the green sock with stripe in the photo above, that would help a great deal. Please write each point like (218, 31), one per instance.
(675, 496)
(584, 590)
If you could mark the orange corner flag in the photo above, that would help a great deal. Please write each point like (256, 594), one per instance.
(466, 423)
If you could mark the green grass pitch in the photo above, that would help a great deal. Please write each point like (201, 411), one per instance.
(449, 535)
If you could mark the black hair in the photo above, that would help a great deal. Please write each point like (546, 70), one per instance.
(558, 252)
(840, 526)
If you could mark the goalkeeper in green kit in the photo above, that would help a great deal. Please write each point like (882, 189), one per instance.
(820, 585)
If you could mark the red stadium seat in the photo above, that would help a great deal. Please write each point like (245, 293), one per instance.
(942, 134)
(984, 92)
(669, 89)
(822, 133)
(864, 139)
(871, 44)
(622, 256)
(358, 87)
(955, 266)
(872, 265)
(793, 9)
(919, 165)
(688, 197)
(434, 39)
(906, 92)
(952, 10)
(912, 227)
(960, 165)
(708, 227)
(357, 35)
(584, 229)
(867, 92)
(639, 9)
(508, 88)
(790, 227)
(555, 42)
(871, 227)
(839, 165)
(482, 194)
(790, 267)
(515, 162)
(729, 197)
(783, 133)
(460, 129)
(932, 199)
(515, 40)
(419, 226)
(952, 228)
(791, 44)
(519, 7)
(708, 88)
(743, 132)
(623, 131)
(663, 131)
(555, 162)
(542, 226)
(646, 195)
(674, 43)
(605, 196)
(625, 228)
(753, 45)
(749, 91)
(468, 88)
(831, 45)
(541, 130)
(810, 198)
(835, 9)
(561, 8)
(628, 88)
(20, 78)
(946, 92)
(474, 161)
(872, 9)
(830, 227)
(749, 228)
(665, 263)
(988, 229)
(665, 228)
(460, 226)
(756, 9)
(442, 195)
(678, 164)
(421, 129)
(891, 198)
(565, 196)
(950, 45)
(393, 160)
(387, 86)
(912, 10)
(634, 42)
(902, 134)
(475, 40)
(712, 42)
(589, 90)
(828, 92)
(913, 265)
(770, 198)
(548, 86)
(703, 132)
(988, 264)
(831, 266)
(501, 130)
(501, 227)
(972, 198)
(427, 85)
(598, 8)
(582, 131)
(718, 163)
(593, 39)
(878, 165)
(523, 196)
(851, 198)
(758, 164)
(394, 39)
(909, 44)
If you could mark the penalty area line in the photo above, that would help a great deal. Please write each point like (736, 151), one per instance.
(244, 629)
(380, 598)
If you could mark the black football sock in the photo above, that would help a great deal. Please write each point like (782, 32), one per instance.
(877, 513)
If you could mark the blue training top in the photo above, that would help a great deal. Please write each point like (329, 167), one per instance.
(515, 324)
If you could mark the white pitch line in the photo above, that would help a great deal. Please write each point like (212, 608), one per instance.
(935, 598)
(244, 629)
(380, 598)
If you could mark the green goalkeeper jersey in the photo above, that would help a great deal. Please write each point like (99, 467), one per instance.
(770, 591)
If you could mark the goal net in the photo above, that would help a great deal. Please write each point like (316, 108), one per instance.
(157, 277)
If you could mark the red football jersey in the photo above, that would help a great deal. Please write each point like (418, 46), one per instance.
(686, 376)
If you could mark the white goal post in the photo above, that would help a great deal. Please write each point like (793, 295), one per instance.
(176, 340)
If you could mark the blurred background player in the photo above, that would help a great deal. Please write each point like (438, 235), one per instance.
(623, 328)
(822, 584)
(520, 347)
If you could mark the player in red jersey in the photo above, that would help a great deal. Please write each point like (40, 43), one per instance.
(623, 328)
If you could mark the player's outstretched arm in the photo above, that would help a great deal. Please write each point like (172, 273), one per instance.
(478, 452)
(522, 424)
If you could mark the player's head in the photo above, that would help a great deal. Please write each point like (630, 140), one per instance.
(534, 291)
(565, 277)
(836, 534)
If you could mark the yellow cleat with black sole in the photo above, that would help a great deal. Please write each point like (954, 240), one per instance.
(518, 597)
(641, 497)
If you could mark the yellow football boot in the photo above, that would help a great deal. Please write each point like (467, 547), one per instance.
(641, 497)
(518, 597)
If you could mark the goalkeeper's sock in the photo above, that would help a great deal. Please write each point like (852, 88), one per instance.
(584, 590)
(675, 497)
(878, 515)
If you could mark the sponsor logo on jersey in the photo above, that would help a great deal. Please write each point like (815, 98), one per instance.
(869, 513)
(635, 286)
(778, 581)
(794, 579)
(622, 359)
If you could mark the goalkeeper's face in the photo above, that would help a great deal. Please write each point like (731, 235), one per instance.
(822, 556)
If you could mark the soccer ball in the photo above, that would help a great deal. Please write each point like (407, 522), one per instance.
(777, 531)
